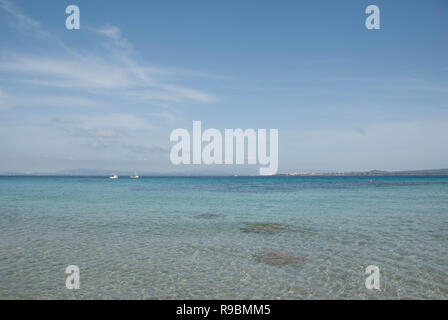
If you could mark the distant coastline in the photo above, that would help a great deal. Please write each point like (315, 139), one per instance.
(199, 173)
(372, 173)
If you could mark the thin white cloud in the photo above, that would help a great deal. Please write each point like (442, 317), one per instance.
(411, 84)
(110, 31)
(96, 133)
(384, 146)
(113, 33)
(21, 21)
(63, 101)
(144, 148)
(122, 50)
(88, 72)
(164, 116)
(115, 72)
(96, 74)
(424, 87)
(3, 100)
(130, 97)
(100, 132)
(123, 121)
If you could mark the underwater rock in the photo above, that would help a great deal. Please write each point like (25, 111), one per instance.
(264, 228)
(268, 228)
(278, 258)
(207, 216)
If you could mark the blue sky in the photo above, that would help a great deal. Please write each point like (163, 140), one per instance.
(108, 95)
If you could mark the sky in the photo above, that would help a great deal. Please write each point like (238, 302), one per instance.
(108, 95)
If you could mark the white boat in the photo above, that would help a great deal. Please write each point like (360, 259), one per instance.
(114, 176)
(135, 177)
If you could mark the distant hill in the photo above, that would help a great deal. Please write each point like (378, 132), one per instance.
(373, 173)
(122, 173)
(426, 172)
(202, 172)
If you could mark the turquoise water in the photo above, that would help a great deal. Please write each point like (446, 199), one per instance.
(145, 238)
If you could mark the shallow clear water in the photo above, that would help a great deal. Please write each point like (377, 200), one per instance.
(143, 238)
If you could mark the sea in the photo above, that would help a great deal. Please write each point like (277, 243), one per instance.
(278, 237)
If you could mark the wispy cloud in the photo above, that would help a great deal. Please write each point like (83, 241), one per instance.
(97, 76)
(3, 100)
(421, 86)
(144, 148)
(411, 84)
(21, 21)
(111, 120)
(123, 50)
(113, 72)
(8, 101)
(118, 42)
(81, 72)
(386, 146)
(97, 132)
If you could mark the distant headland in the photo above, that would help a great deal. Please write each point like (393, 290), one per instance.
(199, 172)
(372, 173)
